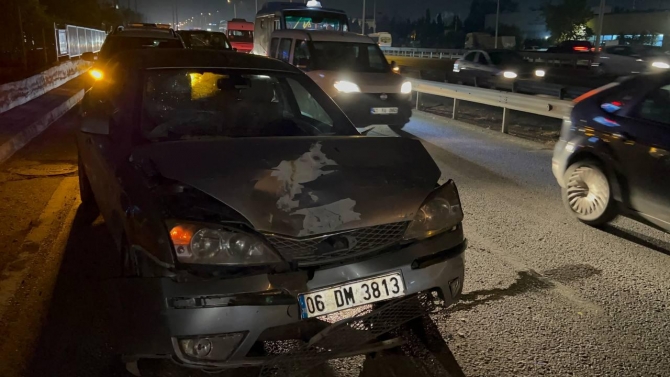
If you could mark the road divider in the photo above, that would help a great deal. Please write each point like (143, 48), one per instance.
(544, 106)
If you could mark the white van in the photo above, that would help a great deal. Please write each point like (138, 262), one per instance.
(352, 69)
(382, 39)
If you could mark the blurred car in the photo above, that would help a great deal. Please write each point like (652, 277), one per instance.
(241, 34)
(353, 70)
(626, 60)
(203, 39)
(132, 37)
(246, 206)
(569, 47)
(488, 68)
(613, 156)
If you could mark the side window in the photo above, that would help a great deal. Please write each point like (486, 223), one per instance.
(481, 59)
(309, 107)
(301, 54)
(273, 47)
(656, 106)
(284, 53)
(470, 56)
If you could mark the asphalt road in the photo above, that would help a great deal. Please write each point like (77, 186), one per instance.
(544, 295)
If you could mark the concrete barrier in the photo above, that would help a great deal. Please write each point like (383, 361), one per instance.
(19, 92)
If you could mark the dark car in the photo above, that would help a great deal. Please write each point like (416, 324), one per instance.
(245, 206)
(613, 156)
(569, 47)
(203, 39)
(494, 67)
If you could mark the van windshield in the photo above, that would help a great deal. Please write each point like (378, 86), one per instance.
(356, 57)
(315, 20)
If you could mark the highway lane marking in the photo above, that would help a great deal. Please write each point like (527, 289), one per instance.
(33, 246)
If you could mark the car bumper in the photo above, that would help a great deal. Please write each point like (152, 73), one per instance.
(358, 107)
(559, 161)
(153, 325)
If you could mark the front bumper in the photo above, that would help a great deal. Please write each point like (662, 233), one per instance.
(152, 325)
(358, 107)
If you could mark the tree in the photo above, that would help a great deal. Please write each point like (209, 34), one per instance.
(480, 8)
(567, 21)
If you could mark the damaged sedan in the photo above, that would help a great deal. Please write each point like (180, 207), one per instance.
(248, 210)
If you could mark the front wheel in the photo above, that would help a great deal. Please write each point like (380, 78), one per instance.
(587, 193)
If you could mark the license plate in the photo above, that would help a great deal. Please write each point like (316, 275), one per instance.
(345, 296)
(384, 110)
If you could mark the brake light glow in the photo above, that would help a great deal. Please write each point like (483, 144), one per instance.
(580, 48)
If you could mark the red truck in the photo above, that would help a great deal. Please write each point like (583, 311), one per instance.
(241, 34)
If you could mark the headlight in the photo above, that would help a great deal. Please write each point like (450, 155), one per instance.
(509, 75)
(346, 87)
(210, 244)
(540, 72)
(440, 212)
(96, 74)
(406, 88)
(660, 65)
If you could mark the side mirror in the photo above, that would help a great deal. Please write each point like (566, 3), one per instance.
(88, 56)
(234, 49)
(394, 67)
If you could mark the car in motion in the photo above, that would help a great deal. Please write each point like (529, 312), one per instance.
(494, 68)
(571, 47)
(203, 39)
(626, 60)
(613, 156)
(353, 70)
(245, 206)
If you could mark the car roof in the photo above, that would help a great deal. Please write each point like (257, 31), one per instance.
(271, 7)
(145, 33)
(188, 58)
(323, 36)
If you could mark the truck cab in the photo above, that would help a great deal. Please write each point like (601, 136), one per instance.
(240, 33)
(352, 69)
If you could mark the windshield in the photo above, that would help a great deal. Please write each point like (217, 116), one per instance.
(241, 36)
(315, 20)
(356, 57)
(190, 103)
(505, 57)
(206, 40)
(114, 45)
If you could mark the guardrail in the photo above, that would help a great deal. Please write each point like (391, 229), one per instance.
(574, 59)
(545, 106)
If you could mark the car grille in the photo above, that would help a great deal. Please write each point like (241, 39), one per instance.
(365, 240)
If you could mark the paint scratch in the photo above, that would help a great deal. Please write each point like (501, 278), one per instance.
(327, 218)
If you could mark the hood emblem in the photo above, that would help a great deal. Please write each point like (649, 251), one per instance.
(335, 243)
(383, 96)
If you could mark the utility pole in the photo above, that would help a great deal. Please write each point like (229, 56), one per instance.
(363, 19)
(497, 18)
(601, 16)
(24, 59)
(176, 15)
(374, 16)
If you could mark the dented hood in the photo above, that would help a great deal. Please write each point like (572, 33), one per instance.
(302, 186)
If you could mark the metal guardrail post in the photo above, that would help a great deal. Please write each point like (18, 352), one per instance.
(505, 120)
(417, 100)
(454, 109)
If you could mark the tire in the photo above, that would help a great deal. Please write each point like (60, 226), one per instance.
(88, 204)
(588, 193)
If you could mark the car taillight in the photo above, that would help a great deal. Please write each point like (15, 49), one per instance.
(580, 48)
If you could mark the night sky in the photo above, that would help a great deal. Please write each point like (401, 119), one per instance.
(161, 10)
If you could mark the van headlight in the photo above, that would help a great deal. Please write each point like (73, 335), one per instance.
(213, 244)
(440, 212)
(509, 75)
(406, 87)
(346, 87)
(540, 72)
(661, 65)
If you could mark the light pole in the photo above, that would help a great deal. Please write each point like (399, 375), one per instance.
(495, 43)
(363, 19)
(600, 24)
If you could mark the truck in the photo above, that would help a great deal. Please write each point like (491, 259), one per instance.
(487, 41)
(240, 33)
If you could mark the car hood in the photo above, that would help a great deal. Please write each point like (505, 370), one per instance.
(302, 186)
(384, 82)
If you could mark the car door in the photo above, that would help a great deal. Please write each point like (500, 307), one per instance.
(284, 50)
(642, 144)
(485, 69)
(466, 66)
